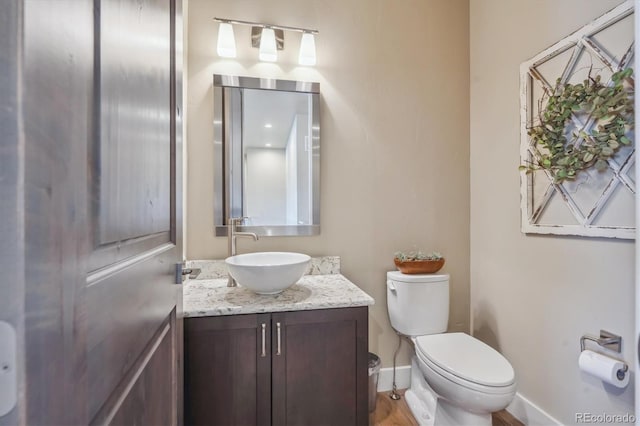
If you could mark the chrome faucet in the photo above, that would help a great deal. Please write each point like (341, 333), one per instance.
(232, 234)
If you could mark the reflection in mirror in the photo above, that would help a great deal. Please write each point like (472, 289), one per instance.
(267, 155)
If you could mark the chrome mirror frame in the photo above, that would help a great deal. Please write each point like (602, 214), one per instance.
(228, 155)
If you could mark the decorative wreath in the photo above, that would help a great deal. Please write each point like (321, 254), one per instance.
(611, 106)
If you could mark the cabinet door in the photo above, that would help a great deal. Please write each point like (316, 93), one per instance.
(320, 370)
(227, 372)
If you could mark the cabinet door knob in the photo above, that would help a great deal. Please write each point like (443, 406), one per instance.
(279, 338)
(264, 345)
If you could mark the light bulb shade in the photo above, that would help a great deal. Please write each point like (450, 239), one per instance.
(268, 48)
(307, 54)
(226, 41)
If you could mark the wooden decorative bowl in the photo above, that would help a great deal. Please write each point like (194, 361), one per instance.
(419, 266)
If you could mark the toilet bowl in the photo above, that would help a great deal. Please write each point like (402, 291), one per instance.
(471, 379)
(455, 378)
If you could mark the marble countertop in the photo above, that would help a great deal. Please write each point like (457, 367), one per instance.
(212, 297)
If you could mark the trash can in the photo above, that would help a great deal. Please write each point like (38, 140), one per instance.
(374, 370)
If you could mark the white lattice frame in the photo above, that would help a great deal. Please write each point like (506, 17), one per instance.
(581, 39)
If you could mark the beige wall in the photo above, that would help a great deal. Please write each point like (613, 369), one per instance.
(533, 296)
(394, 78)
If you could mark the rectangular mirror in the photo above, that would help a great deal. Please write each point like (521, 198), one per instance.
(267, 155)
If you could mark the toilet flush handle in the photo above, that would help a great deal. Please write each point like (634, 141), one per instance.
(391, 286)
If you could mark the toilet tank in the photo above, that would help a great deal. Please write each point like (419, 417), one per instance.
(418, 304)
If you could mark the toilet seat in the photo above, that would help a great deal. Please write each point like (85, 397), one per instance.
(466, 361)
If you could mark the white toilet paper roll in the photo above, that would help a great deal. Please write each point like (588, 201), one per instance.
(603, 367)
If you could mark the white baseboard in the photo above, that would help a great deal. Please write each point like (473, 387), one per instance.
(529, 413)
(403, 378)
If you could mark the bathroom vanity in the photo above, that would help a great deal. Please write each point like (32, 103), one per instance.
(299, 357)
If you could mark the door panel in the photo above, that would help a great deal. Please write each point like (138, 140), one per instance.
(124, 311)
(134, 110)
(131, 152)
(131, 292)
(150, 385)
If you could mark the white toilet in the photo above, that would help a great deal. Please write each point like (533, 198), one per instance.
(455, 378)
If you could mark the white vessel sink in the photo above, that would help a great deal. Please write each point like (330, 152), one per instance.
(267, 272)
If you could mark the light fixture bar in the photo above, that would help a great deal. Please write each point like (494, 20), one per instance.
(256, 36)
(258, 24)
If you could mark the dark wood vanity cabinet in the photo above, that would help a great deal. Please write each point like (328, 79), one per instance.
(310, 368)
(225, 374)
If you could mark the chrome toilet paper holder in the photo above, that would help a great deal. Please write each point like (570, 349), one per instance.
(607, 340)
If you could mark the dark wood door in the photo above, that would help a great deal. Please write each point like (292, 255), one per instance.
(133, 335)
(93, 178)
(228, 370)
(319, 372)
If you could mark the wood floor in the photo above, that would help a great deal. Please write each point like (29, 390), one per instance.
(396, 413)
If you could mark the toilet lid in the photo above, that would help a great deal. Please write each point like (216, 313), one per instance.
(417, 278)
(467, 358)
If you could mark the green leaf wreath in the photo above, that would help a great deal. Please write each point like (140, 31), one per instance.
(611, 106)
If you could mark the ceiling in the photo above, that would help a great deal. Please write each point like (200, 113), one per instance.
(277, 108)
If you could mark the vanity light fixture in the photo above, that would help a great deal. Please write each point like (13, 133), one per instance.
(307, 54)
(268, 38)
(226, 41)
(268, 48)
